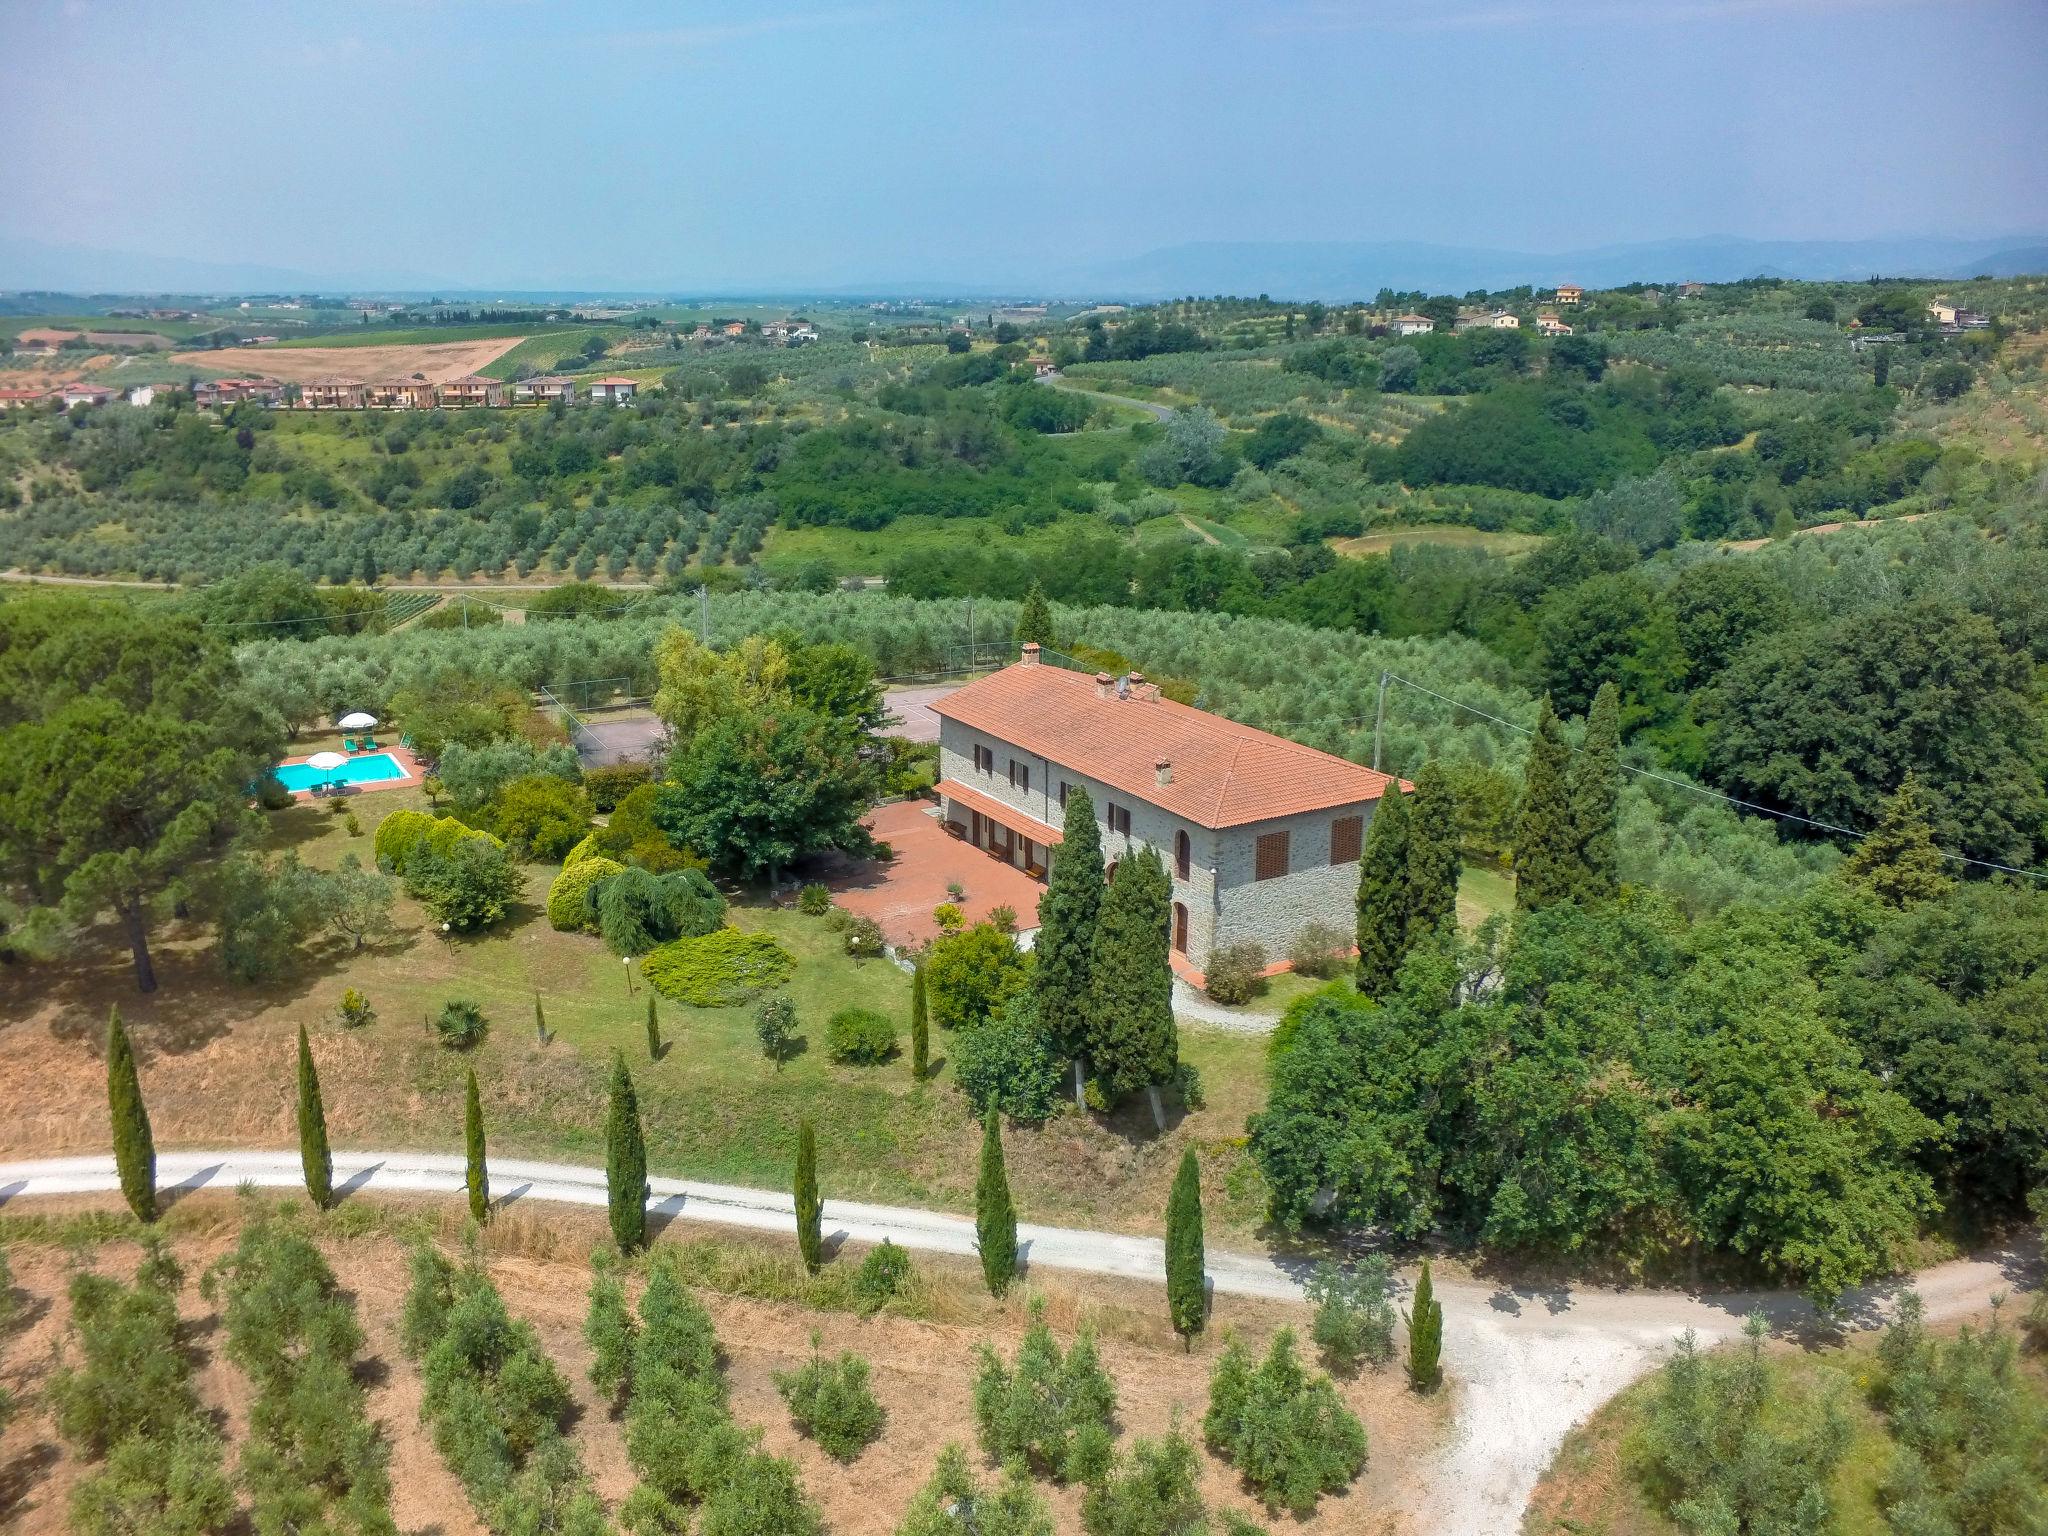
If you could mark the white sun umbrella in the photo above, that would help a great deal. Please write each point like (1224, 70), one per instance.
(359, 721)
(326, 762)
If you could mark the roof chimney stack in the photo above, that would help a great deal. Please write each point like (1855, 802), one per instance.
(1030, 656)
(1162, 773)
(1102, 685)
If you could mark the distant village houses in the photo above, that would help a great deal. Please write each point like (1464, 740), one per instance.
(1570, 293)
(1413, 325)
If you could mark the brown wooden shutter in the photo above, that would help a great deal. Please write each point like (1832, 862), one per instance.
(1270, 858)
(1347, 839)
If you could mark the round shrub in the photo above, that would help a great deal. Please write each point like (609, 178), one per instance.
(861, 1036)
(271, 793)
(1321, 950)
(568, 894)
(398, 835)
(1235, 973)
(1007, 1063)
(864, 938)
(581, 851)
(717, 970)
(461, 1024)
(883, 1275)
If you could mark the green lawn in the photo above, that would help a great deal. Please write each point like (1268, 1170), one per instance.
(714, 1107)
(540, 351)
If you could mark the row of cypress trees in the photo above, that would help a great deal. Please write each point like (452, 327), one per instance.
(1566, 844)
(626, 1176)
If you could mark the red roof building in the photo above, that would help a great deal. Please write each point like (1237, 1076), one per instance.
(1260, 835)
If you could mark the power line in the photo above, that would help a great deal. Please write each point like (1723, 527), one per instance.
(1661, 778)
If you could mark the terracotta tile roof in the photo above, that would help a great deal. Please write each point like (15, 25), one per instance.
(1222, 774)
(1002, 815)
(630, 383)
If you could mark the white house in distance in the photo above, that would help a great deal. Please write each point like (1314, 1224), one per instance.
(1412, 325)
(1550, 325)
(616, 390)
(1261, 836)
(1570, 293)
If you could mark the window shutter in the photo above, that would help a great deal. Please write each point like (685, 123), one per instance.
(1270, 856)
(1347, 839)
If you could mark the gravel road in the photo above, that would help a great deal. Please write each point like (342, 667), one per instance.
(1527, 1364)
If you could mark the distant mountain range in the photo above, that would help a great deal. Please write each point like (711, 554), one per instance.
(1346, 270)
(1328, 270)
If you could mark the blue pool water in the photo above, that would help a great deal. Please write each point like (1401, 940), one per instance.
(374, 768)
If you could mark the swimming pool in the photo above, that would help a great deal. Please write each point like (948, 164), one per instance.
(372, 768)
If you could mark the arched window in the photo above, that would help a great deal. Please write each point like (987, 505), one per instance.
(1183, 855)
(1180, 927)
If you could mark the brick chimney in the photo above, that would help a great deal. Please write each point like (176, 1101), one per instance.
(1162, 773)
(1030, 656)
(1102, 685)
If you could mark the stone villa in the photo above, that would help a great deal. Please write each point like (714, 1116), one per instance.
(1260, 835)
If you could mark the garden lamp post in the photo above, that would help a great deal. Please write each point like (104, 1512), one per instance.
(628, 962)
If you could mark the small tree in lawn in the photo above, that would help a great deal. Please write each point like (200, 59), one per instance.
(134, 1148)
(1382, 934)
(775, 1028)
(1425, 1336)
(540, 1021)
(625, 1161)
(1133, 1044)
(314, 1156)
(995, 1217)
(1186, 1269)
(476, 1176)
(1064, 946)
(920, 1027)
(653, 1029)
(610, 1330)
(810, 1241)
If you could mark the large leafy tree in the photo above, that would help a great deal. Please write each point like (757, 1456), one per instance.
(1948, 1000)
(1827, 721)
(1611, 628)
(127, 746)
(1898, 862)
(758, 790)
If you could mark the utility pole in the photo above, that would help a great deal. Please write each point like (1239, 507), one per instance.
(1379, 721)
(971, 657)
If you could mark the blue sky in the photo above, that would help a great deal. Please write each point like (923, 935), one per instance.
(529, 142)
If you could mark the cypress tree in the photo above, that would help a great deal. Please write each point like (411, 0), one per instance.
(1898, 862)
(625, 1160)
(1425, 1336)
(920, 1026)
(1132, 1043)
(1546, 835)
(540, 1021)
(313, 1153)
(1064, 946)
(1596, 798)
(1186, 1270)
(810, 1240)
(995, 1218)
(134, 1148)
(1382, 906)
(477, 1175)
(653, 1029)
(1034, 618)
(1432, 855)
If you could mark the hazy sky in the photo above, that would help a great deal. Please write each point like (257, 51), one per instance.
(793, 141)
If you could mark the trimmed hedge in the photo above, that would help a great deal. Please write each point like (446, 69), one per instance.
(718, 970)
(397, 835)
(581, 851)
(860, 1035)
(566, 896)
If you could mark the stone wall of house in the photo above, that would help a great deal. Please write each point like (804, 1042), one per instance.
(1225, 904)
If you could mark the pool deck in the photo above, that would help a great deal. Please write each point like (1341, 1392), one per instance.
(402, 756)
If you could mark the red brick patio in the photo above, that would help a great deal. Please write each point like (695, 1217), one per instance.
(900, 895)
